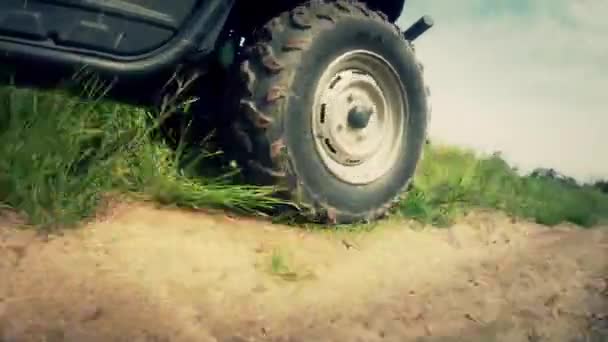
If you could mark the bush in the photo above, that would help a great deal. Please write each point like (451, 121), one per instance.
(601, 186)
(451, 181)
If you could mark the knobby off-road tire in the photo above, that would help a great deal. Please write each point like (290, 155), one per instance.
(286, 130)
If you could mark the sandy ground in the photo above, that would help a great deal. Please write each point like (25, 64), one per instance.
(145, 274)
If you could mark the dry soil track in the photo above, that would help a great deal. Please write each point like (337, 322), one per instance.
(146, 274)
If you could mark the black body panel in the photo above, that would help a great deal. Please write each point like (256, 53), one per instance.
(54, 26)
(114, 26)
(120, 42)
(162, 12)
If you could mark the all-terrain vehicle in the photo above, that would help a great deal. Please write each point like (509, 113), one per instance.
(323, 98)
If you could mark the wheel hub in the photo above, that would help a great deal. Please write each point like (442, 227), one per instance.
(358, 117)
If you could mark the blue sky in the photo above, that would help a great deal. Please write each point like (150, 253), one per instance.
(528, 78)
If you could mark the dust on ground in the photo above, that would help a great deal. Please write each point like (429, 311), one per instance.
(147, 274)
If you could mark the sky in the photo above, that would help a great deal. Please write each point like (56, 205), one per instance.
(528, 78)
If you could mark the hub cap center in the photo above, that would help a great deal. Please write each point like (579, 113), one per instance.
(358, 117)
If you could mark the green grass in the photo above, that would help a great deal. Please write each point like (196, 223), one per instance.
(452, 181)
(282, 266)
(60, 155)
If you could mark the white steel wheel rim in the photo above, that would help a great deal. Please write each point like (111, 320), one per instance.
(359, 80)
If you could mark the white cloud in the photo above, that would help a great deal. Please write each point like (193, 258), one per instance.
(531, 85)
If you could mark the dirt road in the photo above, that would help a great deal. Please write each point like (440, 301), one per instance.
(144, 274)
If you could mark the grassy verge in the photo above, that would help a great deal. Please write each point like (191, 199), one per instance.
(451, 181)
(59, 155)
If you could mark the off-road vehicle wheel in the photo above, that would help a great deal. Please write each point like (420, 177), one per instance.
(333, 108)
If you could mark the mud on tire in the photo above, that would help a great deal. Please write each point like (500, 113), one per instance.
(276, 90)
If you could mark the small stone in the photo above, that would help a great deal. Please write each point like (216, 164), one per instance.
(91, 313)
(259, 288)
